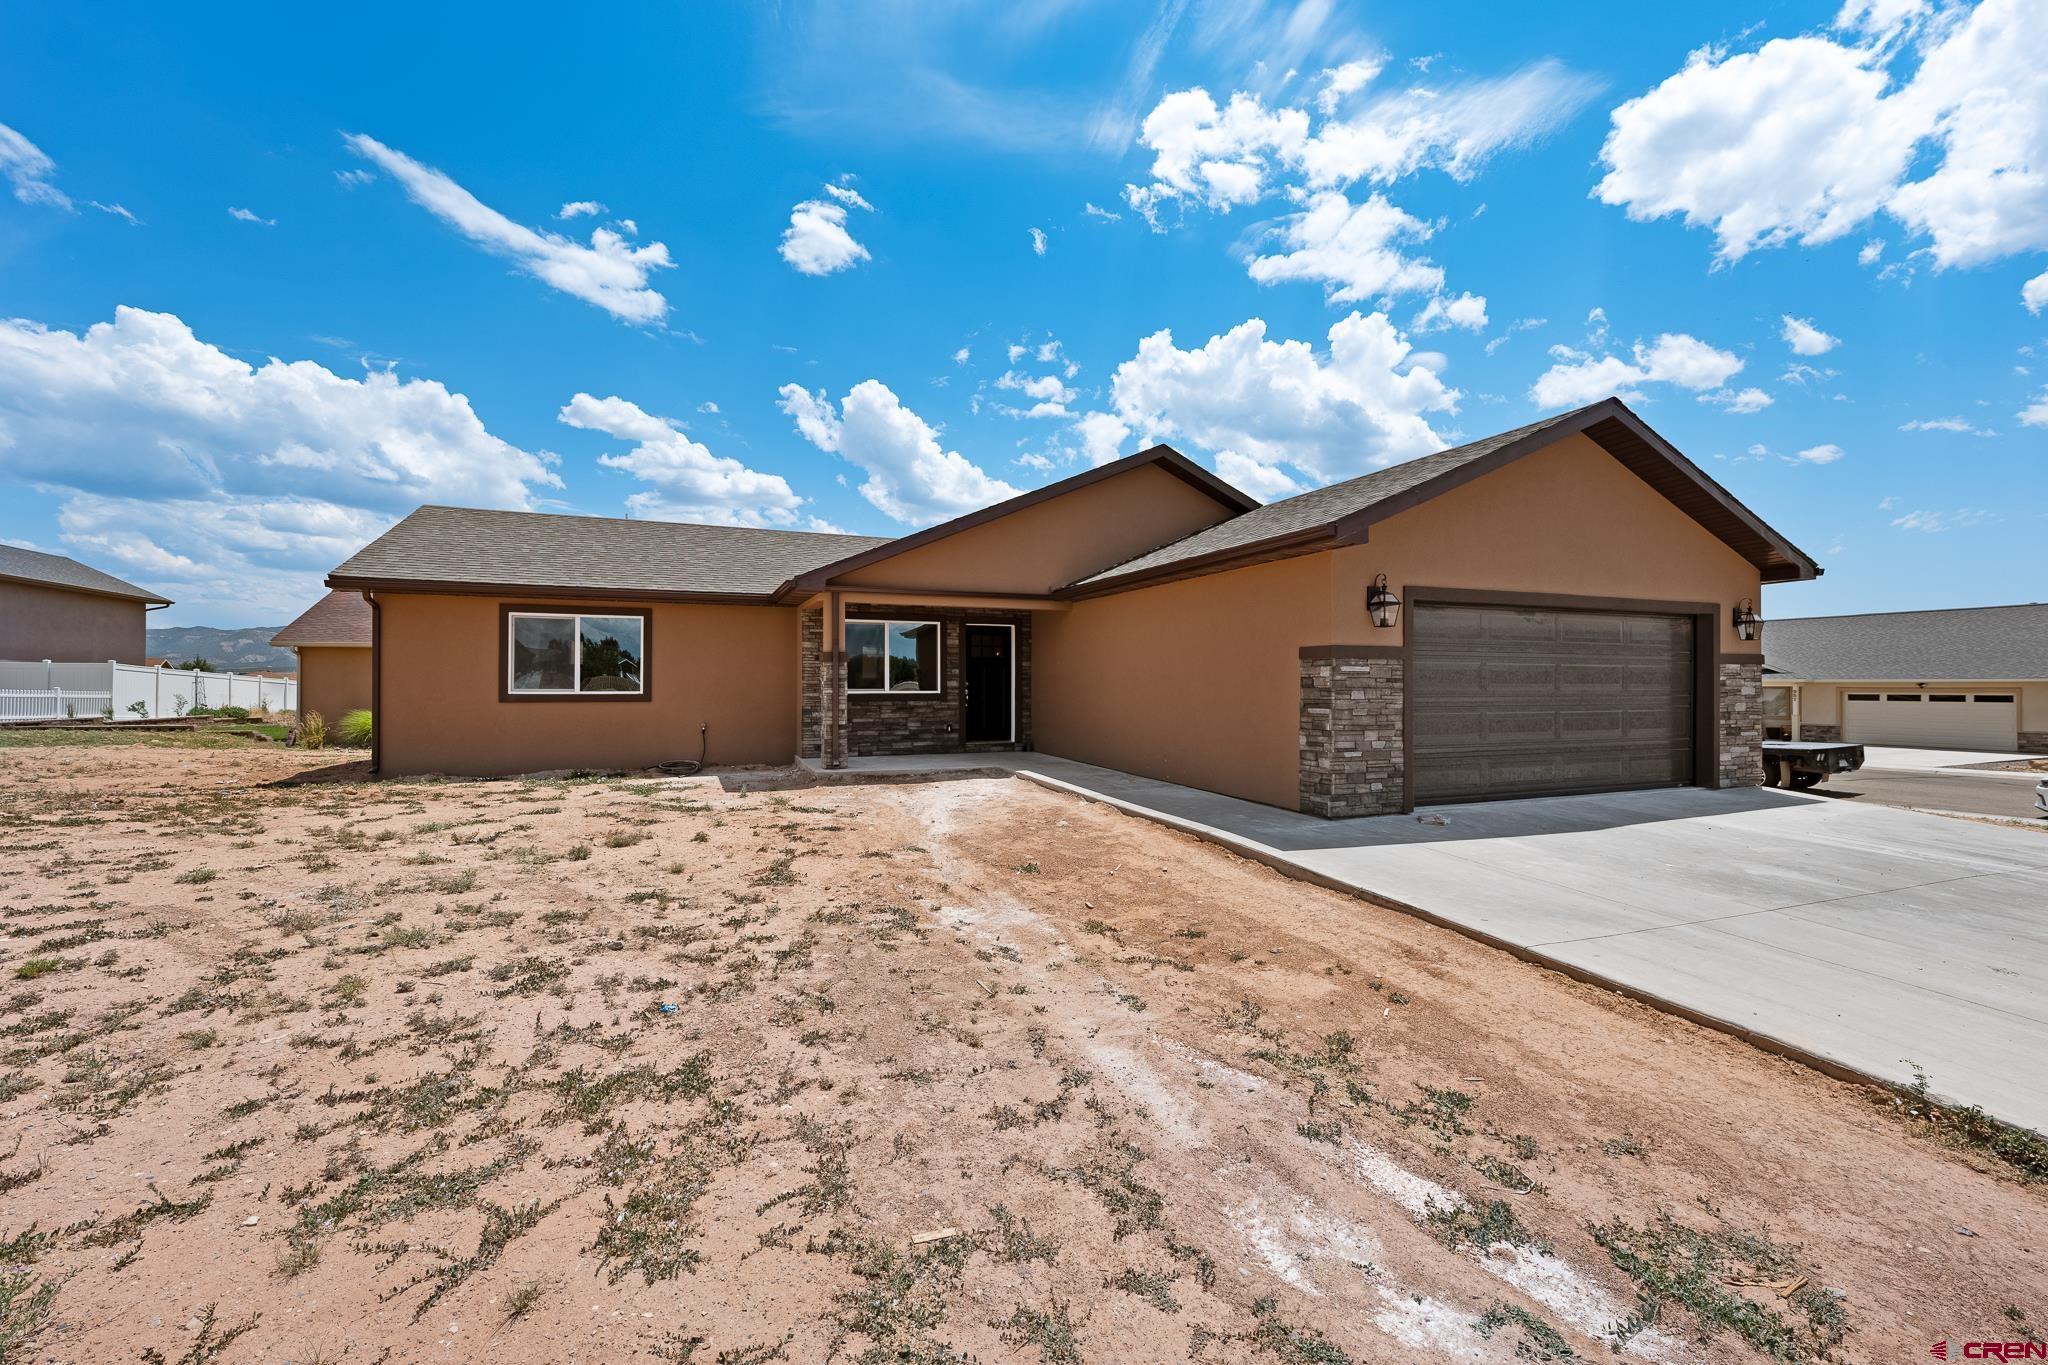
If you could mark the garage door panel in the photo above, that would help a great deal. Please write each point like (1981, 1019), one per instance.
(1969, 724)
(1522, 702)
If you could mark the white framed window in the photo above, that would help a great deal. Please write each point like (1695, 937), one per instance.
(900, 657)
(576, 654)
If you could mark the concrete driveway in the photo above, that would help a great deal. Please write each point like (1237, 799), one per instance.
(1866, 938)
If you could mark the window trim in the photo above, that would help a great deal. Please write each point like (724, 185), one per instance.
(846, 658)
(508, 610)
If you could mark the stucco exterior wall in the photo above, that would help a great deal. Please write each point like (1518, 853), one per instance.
(38, 622)
(1569, 519)
(333, 681)
(731, 667)
(1196, 682)
(1200, 681)
(1056, 542)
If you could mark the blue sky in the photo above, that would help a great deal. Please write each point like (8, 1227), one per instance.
(273, 281)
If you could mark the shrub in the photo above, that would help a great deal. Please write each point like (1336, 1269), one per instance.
(356, 729)
(232, 712)
(199, 711)
(312, 730)
(139, 708)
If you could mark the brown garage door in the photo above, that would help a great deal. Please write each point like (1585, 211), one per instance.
(1514, 701)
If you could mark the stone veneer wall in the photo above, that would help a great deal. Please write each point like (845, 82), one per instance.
(892, 723)
(1353, 750)
(1819, 734)
(1740, 731)
(2034, 741)
(811, 644)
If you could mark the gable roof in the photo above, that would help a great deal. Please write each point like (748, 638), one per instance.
(339, 618)
(453, 549)
(1163, 456)
(56, 571)
(1342, 513)
(1960, 644)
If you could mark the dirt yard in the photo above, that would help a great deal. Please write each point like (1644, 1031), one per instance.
(601, 1070)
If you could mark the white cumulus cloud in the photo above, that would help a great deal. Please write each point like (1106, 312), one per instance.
(2034, 293)
(910, 477)
(251, 216)
(817, 242)
(688, 482)
(610, 272)
(1804, 338)
(1467, 311)
(1267, 404)
(1673, 358)
(580, 208)
(217, 480)
(1806, 138)
(1037, 241)
(1352, 250)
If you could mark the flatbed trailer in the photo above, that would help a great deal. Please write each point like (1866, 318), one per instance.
(1791, 763)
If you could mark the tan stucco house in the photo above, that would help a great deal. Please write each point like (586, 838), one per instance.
(1567, 621)
(1963, 678)
(53, 607)
(332, 641)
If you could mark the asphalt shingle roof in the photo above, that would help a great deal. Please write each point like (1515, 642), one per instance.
(541, 550)
(1965, 644)
(1322, 506)
(34, 566)
(339, 618)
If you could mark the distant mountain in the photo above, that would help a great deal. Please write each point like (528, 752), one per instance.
(230, 651)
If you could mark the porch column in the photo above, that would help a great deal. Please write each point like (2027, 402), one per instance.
(833, 683)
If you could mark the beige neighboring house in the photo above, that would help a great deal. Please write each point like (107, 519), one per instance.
(332, 640)
(1964, 678)
(58, 609)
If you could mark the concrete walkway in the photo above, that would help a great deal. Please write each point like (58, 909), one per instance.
(1864, 939)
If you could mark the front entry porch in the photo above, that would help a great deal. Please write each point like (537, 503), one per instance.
(887, 678)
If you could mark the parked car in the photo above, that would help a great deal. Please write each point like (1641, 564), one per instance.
(2041, 796)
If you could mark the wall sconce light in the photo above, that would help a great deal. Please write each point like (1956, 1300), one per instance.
(1381, 604)
(1746, 620)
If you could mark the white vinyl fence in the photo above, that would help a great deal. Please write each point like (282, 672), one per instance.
(48, 691)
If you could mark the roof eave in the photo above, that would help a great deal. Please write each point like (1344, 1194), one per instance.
(581, 593)
(145, 598)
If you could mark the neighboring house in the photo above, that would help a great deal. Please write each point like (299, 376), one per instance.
(1964, 678)
(1570, 592)
(58, 609)
(332, 640)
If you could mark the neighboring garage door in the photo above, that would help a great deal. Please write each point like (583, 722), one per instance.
(1934, 720)
(1512, 701)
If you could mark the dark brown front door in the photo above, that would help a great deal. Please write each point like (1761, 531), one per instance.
(991, 683)
(1515, 701)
